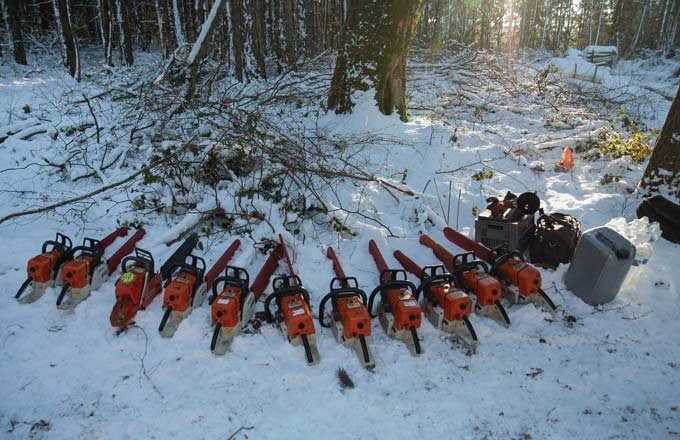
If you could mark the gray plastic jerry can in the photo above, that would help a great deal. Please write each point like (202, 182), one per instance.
(600, 264)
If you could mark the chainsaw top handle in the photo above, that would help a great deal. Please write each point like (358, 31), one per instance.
(141, 258)
(338, 283)
(90, 248)
(433, 271)
(507, 255)
(435, 280)
(195, 267)
(390, 285)
(335, 295)
(234, 277)
(282, 293)
(61, 244)
(286, 281)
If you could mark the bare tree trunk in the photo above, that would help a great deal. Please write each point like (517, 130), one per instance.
(633, 45)
(238, 36)
(12, 15)
(599, 23)
(259, 37)
(69, 45)
(163, 27)
(290, 26)
(177, 19)
(123, 10)
(664, 165)
(107, 22)
(376, 41)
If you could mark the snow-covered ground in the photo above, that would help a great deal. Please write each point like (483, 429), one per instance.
(591, 373)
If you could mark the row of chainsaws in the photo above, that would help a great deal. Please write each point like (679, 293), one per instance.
(447, 293)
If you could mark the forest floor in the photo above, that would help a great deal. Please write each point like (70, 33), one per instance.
(479, 126)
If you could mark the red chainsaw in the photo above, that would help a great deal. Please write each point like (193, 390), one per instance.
(398, 310)
(136, 288)
(44, 270)
(521, 281)
(474, 277)
(233, 301)
(348, 317)
(187, 288)
(446, 305)
(293, 312)
(88, 269)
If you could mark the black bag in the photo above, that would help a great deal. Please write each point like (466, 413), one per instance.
(666, 213)
(555, 239)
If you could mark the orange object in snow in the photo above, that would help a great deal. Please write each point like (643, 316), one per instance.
(566, 162)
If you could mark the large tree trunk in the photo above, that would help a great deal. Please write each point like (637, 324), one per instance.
(123, 7)
(238, 29)
(664, 165)
(107, 21)
(70, 56)
(376, 41)
(163, 26)
(12, 14)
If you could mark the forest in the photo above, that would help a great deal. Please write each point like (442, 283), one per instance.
(339, 218)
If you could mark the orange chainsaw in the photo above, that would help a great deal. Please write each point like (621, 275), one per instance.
(188, 289)
(398, 310)
(136, 288)
(521, 281)
(293, 313)
(349, 319)
(88, 269)
(474, 277)
(446, 306)
(44, 270)
(233, 301)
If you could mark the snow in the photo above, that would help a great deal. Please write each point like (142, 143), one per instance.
(592, 50)
(606, 372)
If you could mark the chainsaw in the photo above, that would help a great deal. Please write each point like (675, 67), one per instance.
(187, 284)
(446, 305)
(44, 270)
(87, 269)
(398, 310)
(293, 312)
(349, 319)
(474, 277)
(521, 281)
(136, 288)
(233, 302)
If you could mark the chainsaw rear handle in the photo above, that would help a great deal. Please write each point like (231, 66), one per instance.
(142, 258)
(196, 267)
(336, 294)
(282, 293)
(390, 285)
(61, 244)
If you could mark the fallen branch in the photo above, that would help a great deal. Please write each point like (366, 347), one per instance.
(103, 189)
